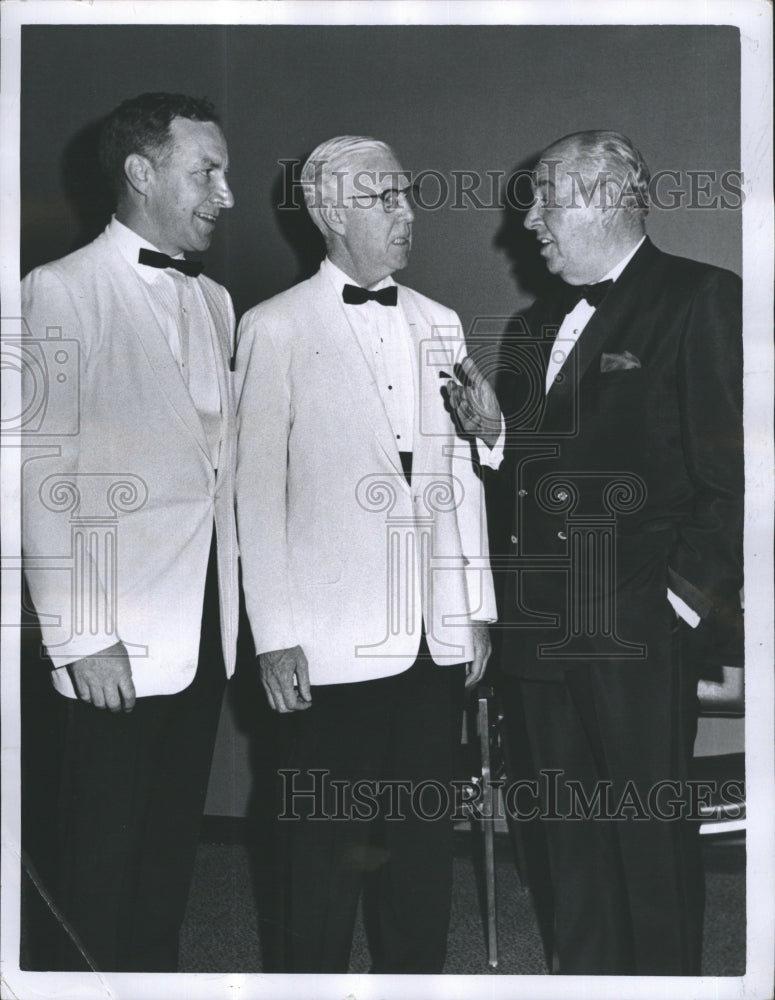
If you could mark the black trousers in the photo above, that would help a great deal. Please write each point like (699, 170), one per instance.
(401, 729)
(132, 795)
(627, 882)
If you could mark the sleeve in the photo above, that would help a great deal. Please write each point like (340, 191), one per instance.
(472, 523)
(683, 610)
(263, 428)
(705, 566)
(63, 578)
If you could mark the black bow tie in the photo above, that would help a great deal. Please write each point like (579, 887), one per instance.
(354, 295)
(193, 268)
(594, 294)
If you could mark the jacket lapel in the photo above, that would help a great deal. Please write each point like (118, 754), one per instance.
(428, 364)
(609, 316)
(606, 322)
(222, 344)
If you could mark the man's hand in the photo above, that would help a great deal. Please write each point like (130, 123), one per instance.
(473, 403)
(285, 676)
(482, 649)
(105, 679)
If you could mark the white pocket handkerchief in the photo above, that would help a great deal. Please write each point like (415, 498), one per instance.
(618, 362)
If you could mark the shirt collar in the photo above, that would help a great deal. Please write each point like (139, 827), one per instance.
(617, 269)
(340, 279)
(129, 244)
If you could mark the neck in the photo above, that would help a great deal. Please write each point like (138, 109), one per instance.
(346, 264)
(135, 219)
(614, 256)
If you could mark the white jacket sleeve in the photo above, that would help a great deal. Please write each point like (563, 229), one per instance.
(64, 576)
(263, 428)
(472, 523)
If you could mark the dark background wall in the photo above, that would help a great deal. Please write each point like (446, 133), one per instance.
(459, 98)
(447, 98)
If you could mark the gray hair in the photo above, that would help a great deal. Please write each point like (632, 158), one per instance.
(327, 163)
(615, 154)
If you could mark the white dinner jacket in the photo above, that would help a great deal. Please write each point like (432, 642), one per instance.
(333, 540)
(119, 493)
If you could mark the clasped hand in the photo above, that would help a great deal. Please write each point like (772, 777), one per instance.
(285, 677)
(473, 403)
(104, 680)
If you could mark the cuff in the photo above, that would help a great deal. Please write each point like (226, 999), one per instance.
(492, 457)
(683, 610)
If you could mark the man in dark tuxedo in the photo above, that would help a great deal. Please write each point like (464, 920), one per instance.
(624, 461)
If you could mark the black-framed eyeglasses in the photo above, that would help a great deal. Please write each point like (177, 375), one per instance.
(390, 198)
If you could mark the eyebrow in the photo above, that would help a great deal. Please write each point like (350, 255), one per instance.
(394, 182)
(209, 161)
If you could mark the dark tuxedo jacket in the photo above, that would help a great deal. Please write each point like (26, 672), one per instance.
(627, 477)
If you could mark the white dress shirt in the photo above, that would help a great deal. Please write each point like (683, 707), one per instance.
(383, 335)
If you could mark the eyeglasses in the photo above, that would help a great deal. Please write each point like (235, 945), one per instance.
(390, 198)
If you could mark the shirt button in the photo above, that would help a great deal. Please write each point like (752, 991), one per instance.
(562, 536)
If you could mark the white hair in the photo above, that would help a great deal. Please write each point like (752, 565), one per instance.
(327, 163)
(615, 154)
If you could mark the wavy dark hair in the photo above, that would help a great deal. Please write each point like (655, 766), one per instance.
(142, 125)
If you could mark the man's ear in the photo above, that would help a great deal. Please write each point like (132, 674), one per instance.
(611, 198)
(333, 218)
(138, 171)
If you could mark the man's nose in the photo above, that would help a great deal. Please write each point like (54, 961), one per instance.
(405, 207)
(222, 194)
(533, 217)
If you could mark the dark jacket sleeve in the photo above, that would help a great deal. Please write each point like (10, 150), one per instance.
(705, 567)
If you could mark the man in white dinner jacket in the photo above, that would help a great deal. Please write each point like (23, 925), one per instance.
(129, 534)
(364, 555)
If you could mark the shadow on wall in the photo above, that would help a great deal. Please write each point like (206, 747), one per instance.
(86, 188)
(519, 244)
(294, 222)
(55, 224)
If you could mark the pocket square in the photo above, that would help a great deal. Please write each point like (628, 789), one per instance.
(618, 362)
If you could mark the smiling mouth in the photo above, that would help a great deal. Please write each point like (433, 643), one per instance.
(210, 219)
